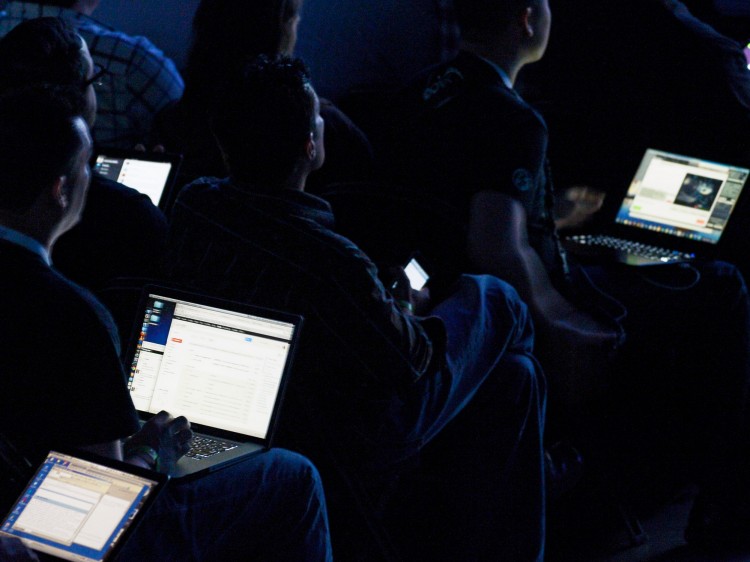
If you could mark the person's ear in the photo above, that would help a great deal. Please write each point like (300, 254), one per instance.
(526, 21)
(59, 192)
(310, 149)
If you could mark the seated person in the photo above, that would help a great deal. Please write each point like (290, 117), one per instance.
(376, 385)
(476, 144)
(135, 80)
(225, 34)
(121, 233)
(63, 384)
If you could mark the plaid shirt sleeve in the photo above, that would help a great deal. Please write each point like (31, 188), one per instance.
(140, 82)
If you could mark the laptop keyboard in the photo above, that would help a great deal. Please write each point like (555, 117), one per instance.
(646, 251)
(202, 447)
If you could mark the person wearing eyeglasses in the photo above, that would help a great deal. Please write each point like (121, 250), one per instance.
(135, 81)
(122, 233)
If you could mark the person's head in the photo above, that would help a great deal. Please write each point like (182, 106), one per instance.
(49, 51)
(44, 150)
(525, 22)
(227, 33)
(268, 124)
(260, 27)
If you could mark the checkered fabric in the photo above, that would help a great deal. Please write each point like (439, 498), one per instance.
(140, 81)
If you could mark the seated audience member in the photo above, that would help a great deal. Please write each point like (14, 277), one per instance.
(226, 33)
(475, 143)
(134, 80)
(375, 385)
(121, 233)
(63, 384)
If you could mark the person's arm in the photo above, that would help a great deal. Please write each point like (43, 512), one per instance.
(498, 244)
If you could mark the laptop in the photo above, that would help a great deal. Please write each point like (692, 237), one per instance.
(151, 173)
(676, 209)
(223, 365)
(81, 507)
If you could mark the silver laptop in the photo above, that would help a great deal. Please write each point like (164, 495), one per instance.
(676, 209)
(221, 364)
(81, 507)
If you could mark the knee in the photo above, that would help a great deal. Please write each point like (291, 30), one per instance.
(498, 295)
(502, 302)
(293, 469)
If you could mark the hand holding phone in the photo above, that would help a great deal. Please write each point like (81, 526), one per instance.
(417, 274)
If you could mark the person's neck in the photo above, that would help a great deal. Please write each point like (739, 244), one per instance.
(504, 56)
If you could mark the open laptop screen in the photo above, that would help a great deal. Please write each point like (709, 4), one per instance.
(79, 509)
(682, 196)
(150, 173)
(220, 368)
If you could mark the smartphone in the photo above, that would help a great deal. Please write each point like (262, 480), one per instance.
(416, 272)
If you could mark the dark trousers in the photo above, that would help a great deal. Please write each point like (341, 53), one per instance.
(269, 507)
(479, 493)
(680, 380)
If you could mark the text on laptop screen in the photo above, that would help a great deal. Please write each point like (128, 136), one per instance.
(150, 178)
(682, 196)
(216, 367)
(76, 509)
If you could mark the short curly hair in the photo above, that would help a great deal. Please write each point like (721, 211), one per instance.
(262, 119)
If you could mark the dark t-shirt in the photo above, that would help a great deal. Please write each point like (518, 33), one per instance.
(61, 381)
(121, 234)
(460, 130)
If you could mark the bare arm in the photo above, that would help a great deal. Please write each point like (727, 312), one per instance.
(498, 244)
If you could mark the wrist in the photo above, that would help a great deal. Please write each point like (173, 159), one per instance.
(405, 306)
(147, 454)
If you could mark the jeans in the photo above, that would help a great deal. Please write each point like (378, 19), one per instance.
(269, 507)
(479, 493)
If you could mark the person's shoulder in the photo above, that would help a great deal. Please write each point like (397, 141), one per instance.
(200, 190)
(109, 43)
(40, 289)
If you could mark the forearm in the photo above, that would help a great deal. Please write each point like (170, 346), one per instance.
(498, 244)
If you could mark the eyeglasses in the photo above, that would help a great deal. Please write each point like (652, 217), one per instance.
(97, 79)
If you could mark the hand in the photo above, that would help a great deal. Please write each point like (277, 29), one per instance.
(169, 437)
(400, 289)
(578, 207)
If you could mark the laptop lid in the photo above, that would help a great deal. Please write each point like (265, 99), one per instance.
(222, 364)
(680, 201)
(151, 173)
(82, 507)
